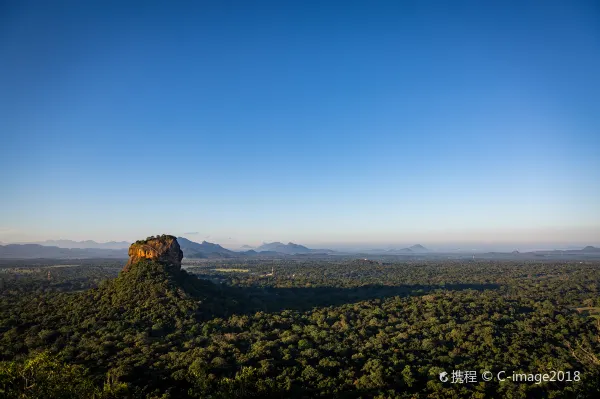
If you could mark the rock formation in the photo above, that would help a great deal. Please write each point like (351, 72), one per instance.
(163, 249)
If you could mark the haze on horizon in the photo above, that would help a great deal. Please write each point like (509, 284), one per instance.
(341, 124)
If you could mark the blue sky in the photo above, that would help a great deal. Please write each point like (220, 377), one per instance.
(375, 123)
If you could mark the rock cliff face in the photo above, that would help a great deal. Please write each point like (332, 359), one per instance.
(164, 249)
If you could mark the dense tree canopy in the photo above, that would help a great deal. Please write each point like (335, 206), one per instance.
(297, 328)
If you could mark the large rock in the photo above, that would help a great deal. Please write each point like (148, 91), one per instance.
(163, 249)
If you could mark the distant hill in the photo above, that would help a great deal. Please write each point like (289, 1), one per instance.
(589, 248)
(419, 248)
(206, 249)
(289, 248)
(402, 250)
(33, 251)
(83, 244)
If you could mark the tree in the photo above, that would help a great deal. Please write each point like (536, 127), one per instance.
(44, 377)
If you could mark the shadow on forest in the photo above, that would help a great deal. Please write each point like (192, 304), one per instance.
(274, 299)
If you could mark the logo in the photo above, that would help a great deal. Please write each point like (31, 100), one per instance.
(444, 376)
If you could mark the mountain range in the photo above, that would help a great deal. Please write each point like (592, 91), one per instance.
(82, 244)
(68, 249)
(418, 248)
(36, 251)
(289, 248)
(207, 250)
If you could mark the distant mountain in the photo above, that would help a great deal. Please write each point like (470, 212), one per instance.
(206, 249)
(589, 248)
(418, 248)
(402, 250)
(33, 251)
(209, 250)
(247, 247)
(289, 248)
(83, 244)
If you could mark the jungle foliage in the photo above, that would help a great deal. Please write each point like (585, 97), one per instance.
(297, 328)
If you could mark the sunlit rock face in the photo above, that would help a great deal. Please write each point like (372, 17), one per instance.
(164, 249)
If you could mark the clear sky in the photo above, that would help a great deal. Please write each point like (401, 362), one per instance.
(316, 122)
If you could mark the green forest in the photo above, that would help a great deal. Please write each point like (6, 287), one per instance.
(297, 328)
